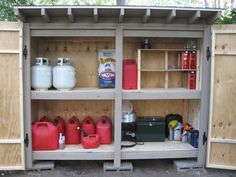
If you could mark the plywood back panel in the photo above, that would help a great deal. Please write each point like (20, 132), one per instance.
(159, 107)
(81, 109)
(153, 60)
(11, 97)
(153, 79)
(83, 53)
(222, 124)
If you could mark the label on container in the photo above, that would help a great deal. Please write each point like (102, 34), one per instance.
(106, 70)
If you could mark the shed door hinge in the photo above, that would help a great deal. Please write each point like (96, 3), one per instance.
(25, 52)
(208, 53)
(204, 138)
(26, 140)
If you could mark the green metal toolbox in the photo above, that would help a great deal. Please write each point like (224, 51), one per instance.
(150, 129)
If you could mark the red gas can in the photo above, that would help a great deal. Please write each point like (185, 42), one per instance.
(60, 124)
(44, 136)
(90, 141)
(192, 60)
(72, 134)
(192, 80)
(103, 129)
(88, 125)
(129, 74)
(185, 60)
(44, 119)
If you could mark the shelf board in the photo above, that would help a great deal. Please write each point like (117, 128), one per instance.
(76, 152)
(171, 93)
(160, 150)
(167, 70)
(168, 50)
(75, 94)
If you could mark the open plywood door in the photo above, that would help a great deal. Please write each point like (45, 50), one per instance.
(11, 93)
(222, 123)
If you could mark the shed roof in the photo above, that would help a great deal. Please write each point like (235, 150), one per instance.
(117, 14)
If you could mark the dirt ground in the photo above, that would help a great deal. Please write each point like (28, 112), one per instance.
(144, 168)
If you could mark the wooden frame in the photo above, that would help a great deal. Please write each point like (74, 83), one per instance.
(118, 25)
(230, 143)
(13, 143)
(165, 68)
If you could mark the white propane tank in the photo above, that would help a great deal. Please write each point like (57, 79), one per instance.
(63, 75)
(41, 74)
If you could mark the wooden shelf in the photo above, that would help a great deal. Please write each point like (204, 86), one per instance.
(168, 50)
(77, 152)
(75, 94)
(167, 70)
(160, 150)
(151, 94)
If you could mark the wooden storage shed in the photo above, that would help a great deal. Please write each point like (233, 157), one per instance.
(79, 32)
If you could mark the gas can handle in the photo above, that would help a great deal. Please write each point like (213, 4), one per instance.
(42, 124)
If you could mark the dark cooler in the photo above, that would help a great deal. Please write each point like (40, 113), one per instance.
(150, 129)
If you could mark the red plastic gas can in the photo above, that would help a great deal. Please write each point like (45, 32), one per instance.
(44, 136)
(72, 134)
(129, 74)
(88, 125)
(90, 141)
(184, 60)
(44, 119)
(60, 124)
(192, 80)
(103, 129)
(192, 60)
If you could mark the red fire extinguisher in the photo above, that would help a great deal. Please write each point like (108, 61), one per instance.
(192, 60)
(192, 80)
(185, 60)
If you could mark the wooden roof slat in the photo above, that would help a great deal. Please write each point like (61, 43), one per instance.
(45, 15)
(170, 17)
(174, 14)
(122, 14)
(70, 15)
(214, 17)
(19, 15)
(146, 15)
(194, 17)
(95, 13)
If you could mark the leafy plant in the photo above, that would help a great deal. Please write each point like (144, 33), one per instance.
(6, 8)
(229, 18)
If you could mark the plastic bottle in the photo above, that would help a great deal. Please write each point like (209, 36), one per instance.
(61, 141)
(178, 132)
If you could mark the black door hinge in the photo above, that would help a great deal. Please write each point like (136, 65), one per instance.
(208, 53)
(204, 138)
(26, 140)
(25, 52)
